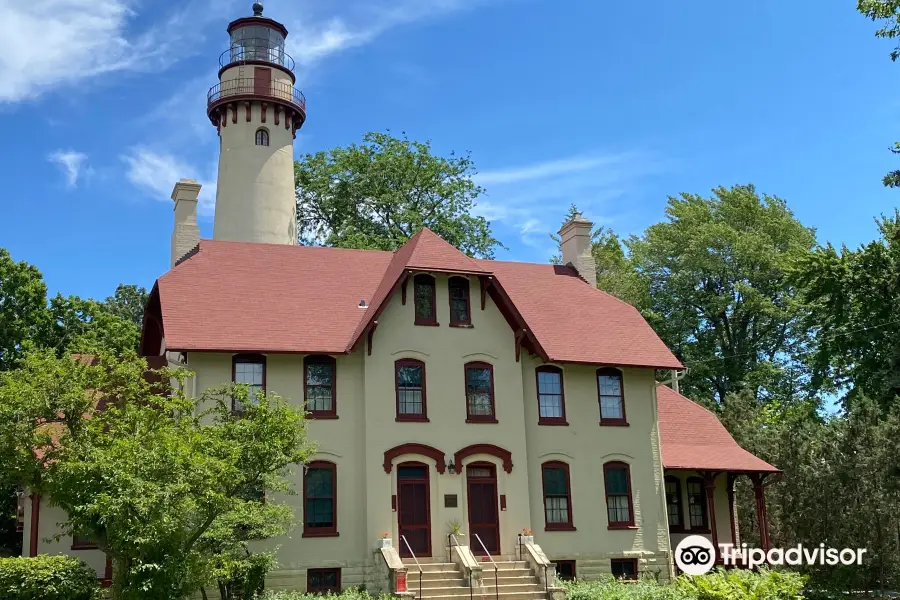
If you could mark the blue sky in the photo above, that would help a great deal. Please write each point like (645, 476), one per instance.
(611, 105)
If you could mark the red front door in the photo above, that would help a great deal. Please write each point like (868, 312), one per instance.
(262, 81)
(413, 509)
(484, 519)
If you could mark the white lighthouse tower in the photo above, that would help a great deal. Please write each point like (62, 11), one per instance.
(257, 112)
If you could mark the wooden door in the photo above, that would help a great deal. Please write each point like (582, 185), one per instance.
(484, 518)
(414, 509)
(262, 81)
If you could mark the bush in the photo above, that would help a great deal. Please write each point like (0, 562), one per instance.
(735, 584)
(738, 584)
(47, 578)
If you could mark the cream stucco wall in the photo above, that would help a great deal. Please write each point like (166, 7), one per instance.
(255, 187)
(49, 518)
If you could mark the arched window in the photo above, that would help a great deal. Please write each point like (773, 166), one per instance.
(611, 394)
(551, 399)
(480, 406)
(673, 504)
(619, 508)
(423, 298)
(320, 499)
(557, 496)
(319, 387)
(460, 314)
(262, 137)
(409, 379)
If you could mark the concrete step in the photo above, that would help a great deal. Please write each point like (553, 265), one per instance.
(464, 593)
(430, 567)
(429, 576)
(425, 560)
(502, 565)
(489, 589)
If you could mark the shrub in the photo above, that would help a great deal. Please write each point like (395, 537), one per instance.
(348, 594)
(739, 584)
(47, 578)
(610, 589)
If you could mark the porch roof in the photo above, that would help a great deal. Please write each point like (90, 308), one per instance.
(693, 438)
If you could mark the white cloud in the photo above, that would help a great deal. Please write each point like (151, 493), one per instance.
(156, 174)
(533, 198)
(49, 43)
(73, 165)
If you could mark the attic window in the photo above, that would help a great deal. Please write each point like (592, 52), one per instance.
(249, 369)
(423, 295)
(319, 388)
(460, 315)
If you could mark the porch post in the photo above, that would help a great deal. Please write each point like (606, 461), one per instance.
(709, 478)
(762, 519)
(731, 478)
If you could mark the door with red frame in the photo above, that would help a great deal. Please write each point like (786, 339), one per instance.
(413, 509)
(262, 81)
(484, 516)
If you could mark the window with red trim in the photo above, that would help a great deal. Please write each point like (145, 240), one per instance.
(623, 568)
(611, 394)
(557, 496)
(83, 542)
(480, 406)
(460, 313)
(249, 369)
(550, 395)
(673, 504)
(319, 389)
(697, 509)
(424, 300)
(322, 581)
(320, 499)
(409, 380)
(619, 509)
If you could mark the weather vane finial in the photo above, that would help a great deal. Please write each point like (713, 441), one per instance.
(257, 8)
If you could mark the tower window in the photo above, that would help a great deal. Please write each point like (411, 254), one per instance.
(262, 137)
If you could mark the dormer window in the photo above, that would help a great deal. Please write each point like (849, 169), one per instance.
(262, 137)
(460, 315)
(423, 298)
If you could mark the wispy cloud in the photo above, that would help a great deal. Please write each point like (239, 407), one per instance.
(157, 172)
(533, 198)
(73, 165)
(51, 43)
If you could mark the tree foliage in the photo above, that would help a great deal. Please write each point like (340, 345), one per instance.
(855, 295)
(377, 194)
(167, 485)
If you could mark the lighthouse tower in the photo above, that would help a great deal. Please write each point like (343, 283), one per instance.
(257, 112)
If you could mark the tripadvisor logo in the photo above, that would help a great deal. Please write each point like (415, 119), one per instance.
(695, 555)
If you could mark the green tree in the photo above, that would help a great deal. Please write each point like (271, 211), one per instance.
(128, 302)
(377, 194)
(167, 485)
(719, 292)
(855, 295)
(23, 305)
(887, 12)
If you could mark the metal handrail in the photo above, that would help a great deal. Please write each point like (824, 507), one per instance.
(256, 49)
(413, 554)
(247, 86)
(496, 568)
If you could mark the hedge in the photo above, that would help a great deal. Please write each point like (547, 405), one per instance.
(46, 577)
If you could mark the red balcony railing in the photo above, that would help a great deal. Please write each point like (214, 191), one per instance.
(247, 87)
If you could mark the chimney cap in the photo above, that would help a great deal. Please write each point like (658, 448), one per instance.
(576, 222)
(186, 189)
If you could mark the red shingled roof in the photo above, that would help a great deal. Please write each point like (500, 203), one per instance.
(693, 438)
(238, 296)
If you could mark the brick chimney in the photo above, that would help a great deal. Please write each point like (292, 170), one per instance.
(186, 234)
(576, 247)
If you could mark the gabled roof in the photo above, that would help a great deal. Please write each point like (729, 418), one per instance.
(239, 296)
(693, 438)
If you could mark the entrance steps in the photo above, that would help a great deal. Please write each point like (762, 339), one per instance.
(444, 581)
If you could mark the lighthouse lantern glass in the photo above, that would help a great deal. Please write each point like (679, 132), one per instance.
(257, 42)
